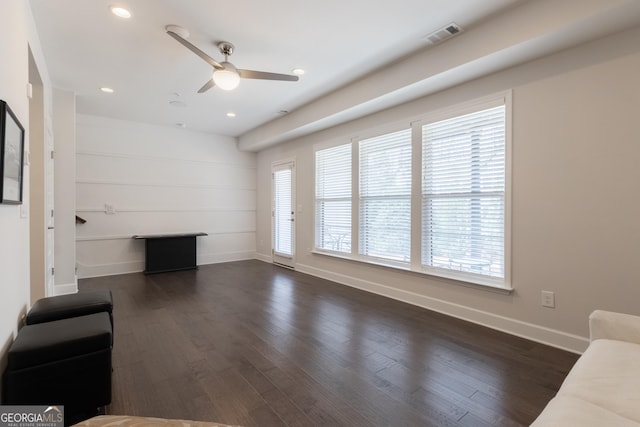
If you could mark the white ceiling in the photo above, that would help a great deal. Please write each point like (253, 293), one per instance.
(340, 44)
(335, 41)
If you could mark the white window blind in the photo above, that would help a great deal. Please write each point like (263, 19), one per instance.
(333, 199)
(463, 193)
(282, 210)
(385, 196)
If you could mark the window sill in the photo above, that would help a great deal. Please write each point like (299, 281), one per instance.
(453, 277)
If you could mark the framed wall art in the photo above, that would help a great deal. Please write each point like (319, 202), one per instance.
(11, 155)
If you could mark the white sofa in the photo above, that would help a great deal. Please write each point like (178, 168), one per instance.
(603, 387)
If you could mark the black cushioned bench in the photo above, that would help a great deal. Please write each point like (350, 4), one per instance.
(61, 362)
(72, 305)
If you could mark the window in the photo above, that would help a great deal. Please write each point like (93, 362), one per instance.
(385, 196)
(463, 193)
(430, 198)
(333, 199)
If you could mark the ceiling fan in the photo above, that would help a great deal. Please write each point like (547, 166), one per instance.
(225, 75)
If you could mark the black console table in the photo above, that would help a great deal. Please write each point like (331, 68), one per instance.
(169, 252)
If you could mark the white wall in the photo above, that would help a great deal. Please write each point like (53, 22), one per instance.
(576, 145)
(64, 129)
(16, 21)
(159, 180)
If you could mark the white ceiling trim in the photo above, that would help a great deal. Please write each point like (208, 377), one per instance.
(530, 31)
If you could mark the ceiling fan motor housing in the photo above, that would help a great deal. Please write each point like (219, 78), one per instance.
(226, 48)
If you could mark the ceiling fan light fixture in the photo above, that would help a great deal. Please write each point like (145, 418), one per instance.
(225, 75)
(228, 78)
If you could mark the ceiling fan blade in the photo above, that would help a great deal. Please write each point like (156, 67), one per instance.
(263, 75)
(208, 85)
(195, 50)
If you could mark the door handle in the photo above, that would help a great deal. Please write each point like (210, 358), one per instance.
(50, 228)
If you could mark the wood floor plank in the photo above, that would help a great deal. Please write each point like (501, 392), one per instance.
(253, 344)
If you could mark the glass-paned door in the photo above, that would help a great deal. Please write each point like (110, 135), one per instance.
(283, 213)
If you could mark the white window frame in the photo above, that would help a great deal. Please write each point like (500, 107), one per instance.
(361, 198)
(316, 220)
(415, 264)
(505, 99)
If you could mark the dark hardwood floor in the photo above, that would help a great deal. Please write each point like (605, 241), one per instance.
(254, 344)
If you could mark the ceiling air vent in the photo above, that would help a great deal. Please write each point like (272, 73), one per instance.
(443, 34)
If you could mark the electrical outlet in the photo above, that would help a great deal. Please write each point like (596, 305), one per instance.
(548, 299)
(109, 209)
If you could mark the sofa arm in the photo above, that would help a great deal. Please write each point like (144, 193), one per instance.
(614, 326)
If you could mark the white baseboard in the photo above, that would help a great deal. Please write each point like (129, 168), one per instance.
(224, 257)
(263, 257)
(66, 288)
(86, 271)
(530, 331)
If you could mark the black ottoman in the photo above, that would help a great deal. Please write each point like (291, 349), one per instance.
(72, 305)
(62, 362)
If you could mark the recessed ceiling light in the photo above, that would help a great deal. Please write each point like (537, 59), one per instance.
(106, 89)
(298, 71)
(120, 11)
(231, 114)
